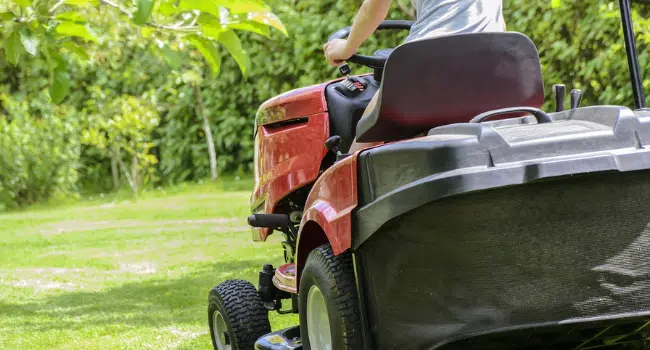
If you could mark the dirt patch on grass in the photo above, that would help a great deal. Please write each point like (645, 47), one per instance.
(69, 226)
(71, 278)
(40, 284)
(141, 268)
(183, 336)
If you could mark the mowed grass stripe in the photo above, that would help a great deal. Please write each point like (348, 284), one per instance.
(124, 275)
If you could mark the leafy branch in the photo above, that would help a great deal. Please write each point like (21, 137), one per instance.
(47, 26)
(149, 23)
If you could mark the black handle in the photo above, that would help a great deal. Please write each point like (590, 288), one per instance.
(333, 143)
(271, 221)
(632, 56)
(559, 93)
(385, 25)
(576, 98)
(539, 114)
(345, 69)
(372, 61)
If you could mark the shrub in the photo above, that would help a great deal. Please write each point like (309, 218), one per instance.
(39, 158)
(581, 45)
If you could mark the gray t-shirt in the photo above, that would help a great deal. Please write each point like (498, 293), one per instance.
(445, 17)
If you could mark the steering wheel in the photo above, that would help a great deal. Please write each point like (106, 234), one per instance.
(376, 61)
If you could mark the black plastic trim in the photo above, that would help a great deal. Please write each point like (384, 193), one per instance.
(463, 158)
(539, 114)
(363, 301)
(289, 122)
(371, 217)
(477, 340)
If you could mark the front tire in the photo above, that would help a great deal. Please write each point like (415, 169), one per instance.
(236, 316)
(329, 310)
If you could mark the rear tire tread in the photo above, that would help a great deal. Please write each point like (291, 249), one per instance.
(339, 270)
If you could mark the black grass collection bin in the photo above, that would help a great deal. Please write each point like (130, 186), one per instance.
(507, 232)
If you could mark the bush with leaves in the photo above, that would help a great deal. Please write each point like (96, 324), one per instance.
(64, 46)
(40, 154)
(124, 130)
(581, 45)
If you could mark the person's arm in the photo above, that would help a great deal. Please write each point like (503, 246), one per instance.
(370, 15)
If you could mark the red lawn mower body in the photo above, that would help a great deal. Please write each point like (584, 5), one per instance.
(290, 150)
(289, 147)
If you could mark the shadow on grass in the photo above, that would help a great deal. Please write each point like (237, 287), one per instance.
(148, 303)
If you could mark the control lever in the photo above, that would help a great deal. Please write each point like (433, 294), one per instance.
(345, 69)
(333, 144)
(559, 93)
(576, 98)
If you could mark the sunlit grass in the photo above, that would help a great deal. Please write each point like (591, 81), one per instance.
(124, 274)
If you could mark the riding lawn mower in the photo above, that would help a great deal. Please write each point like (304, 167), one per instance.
(475, 221)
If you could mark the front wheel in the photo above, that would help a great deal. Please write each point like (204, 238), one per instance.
(236, 315)
(329, 311)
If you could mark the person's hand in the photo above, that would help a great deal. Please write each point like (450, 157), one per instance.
(337, 51)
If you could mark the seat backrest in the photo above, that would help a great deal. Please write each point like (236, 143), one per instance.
(452, 79)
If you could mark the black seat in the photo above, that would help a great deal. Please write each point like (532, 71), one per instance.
(452, 79)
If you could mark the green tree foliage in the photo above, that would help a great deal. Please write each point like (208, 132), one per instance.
(104, 62)
(39, 156)
(127, 132)
(49, 26)
(581, 45)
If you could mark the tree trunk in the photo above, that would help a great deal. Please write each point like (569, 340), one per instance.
(114, 169)
(134, 168)
(125, 170)
(208, 133)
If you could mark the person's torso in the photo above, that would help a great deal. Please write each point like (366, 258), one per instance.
(445, 17)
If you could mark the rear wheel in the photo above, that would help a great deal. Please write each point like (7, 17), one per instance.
(236, 316)
(329, 312)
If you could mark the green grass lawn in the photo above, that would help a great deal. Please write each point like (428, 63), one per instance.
(125, 274)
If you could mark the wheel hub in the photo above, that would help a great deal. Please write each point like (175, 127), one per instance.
(318, 321)
(220, 332)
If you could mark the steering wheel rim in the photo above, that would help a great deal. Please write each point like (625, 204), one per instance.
(372, 61)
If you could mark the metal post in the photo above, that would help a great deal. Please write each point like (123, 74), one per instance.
(632, 58)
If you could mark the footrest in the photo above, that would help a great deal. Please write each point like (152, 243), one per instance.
(285, 278)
